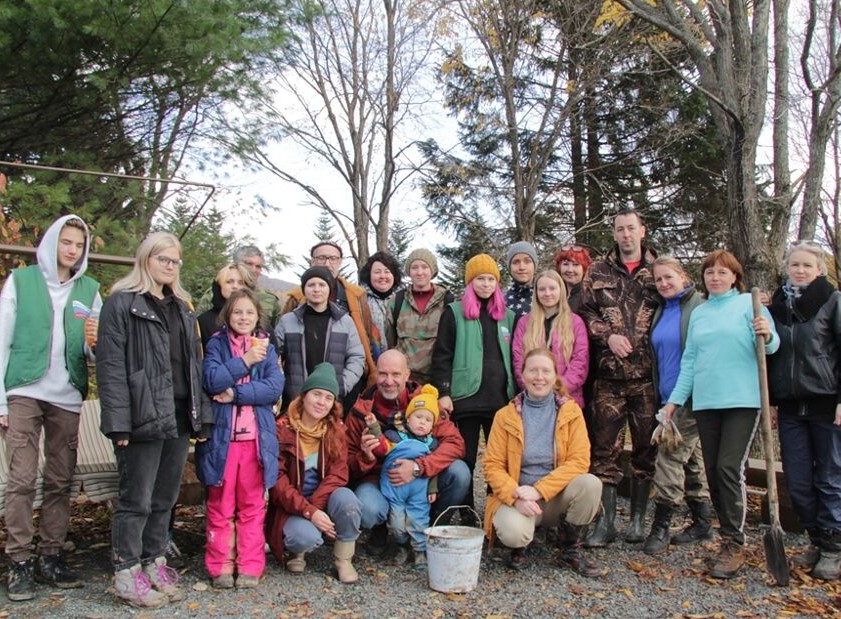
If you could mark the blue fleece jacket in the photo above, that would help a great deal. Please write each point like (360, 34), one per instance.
(718, 368)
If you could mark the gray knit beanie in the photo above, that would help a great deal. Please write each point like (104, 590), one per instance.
(521, 247)
(424, 255)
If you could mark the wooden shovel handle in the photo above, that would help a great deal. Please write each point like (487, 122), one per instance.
(765, 417)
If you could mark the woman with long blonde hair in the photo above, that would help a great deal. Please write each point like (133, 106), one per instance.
(149, 373)
(551, 324)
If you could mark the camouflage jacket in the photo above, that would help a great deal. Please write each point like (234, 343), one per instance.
(614, 301)
(414, 332)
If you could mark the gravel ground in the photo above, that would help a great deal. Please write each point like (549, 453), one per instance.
(633, 585)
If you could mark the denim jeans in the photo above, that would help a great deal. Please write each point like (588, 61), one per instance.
(150, 479)
(453, 483)
(811, 453)
(343, 507)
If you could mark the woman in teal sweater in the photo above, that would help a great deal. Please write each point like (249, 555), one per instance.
(719, 372)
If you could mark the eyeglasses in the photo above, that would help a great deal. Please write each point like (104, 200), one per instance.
(326, 259)
(573, 248)
(166, 261)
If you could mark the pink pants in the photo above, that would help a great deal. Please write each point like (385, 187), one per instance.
(237, 542)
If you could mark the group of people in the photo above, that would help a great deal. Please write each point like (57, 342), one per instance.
(363, 407)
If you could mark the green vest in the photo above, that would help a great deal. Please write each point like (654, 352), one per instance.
(29, 357)
(467, 359)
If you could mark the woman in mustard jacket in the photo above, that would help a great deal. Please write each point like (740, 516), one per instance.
(537, 478)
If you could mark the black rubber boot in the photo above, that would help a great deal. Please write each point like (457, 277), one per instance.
(658, 540)
(571, 544)
(639, 504)
(701, 527)
(604, 531)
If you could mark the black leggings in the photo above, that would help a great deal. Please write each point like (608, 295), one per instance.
(469, 428)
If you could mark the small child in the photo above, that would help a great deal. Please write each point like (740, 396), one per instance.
(239, 461)
(410, 438)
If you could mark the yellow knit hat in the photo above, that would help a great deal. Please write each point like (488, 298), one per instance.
(426, 400)
(478, 265)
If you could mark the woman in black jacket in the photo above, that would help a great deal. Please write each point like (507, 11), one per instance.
(148, 371)
(805, 384)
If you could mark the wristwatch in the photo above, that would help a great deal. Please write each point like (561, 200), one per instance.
(416, 470)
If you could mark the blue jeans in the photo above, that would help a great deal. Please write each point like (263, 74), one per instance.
(453, 483)
(301, 535)
(811, 453)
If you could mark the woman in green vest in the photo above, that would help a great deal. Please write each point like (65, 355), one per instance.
(471, 361)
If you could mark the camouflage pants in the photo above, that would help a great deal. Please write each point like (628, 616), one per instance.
(616, 402)
(679, 472)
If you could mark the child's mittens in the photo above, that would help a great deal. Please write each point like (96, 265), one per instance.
(373, 425)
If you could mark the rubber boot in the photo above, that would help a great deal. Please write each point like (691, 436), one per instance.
(133, 587)
(701, 527)
(658, 540)
(828, 566)
(571, 544)
(604, 532)
(640, 490)
(342, 554)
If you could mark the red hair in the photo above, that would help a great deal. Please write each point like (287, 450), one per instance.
(575, 253)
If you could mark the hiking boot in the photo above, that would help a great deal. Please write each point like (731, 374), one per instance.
(164, 579)
(420, 560)
(604, 531)
(133, 587)
(730, 559)
(244, 581)
(810, 558)
(297, 563)
(828, 566)
(571, 544)
(174, 558)
(21, 584)
(343, 561)
(640, 489)
(657, 541)
(519, 558)
(701, 527)
(223, 581)
(377, 540)
(52, 570)
(401, 555)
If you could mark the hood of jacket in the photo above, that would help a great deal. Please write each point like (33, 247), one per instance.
(47, 252)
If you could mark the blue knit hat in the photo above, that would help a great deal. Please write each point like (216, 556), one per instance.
(323, 376)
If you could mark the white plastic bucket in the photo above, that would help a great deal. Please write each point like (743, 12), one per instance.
(454, 554)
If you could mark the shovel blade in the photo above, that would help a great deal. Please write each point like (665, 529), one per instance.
(775, 554)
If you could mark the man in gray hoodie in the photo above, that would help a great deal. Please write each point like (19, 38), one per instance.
(46, 310)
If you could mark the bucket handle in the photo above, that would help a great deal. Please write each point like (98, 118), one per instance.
(475, 513)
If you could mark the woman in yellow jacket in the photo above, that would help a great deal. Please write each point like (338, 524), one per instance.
(539, 478)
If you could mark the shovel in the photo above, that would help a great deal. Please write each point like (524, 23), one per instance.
(772, 540)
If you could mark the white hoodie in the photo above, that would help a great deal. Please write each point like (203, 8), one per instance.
(55, 386)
